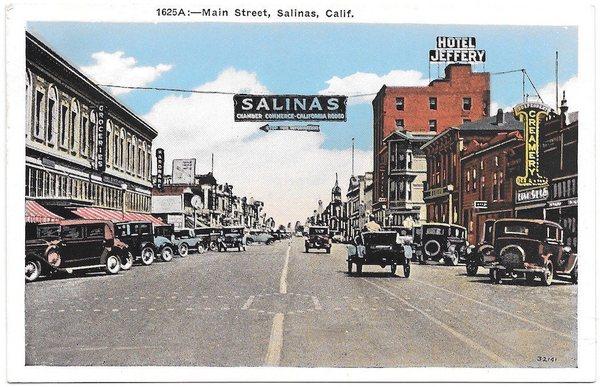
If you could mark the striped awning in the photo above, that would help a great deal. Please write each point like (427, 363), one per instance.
(114, 216)
(36, 213)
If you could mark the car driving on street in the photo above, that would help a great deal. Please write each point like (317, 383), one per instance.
(318, 237)
(232, 237)
(382, 248)
(441, 242)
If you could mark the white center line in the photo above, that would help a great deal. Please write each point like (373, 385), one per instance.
(468, 341)
(284, 272)
(248, 303)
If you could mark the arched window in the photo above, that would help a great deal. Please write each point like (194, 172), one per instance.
(39, 112)
(115, 147)
(52, 114)
(123, 145)
(92, 136)
(144, 160)
(28, 101)
(132, 155)
(85, 134)
(74, 126)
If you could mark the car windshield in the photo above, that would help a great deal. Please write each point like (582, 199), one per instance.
(121, 229)
(518, 229)
(379, 238)
(52, 231)
(434, 231)
(317, 231)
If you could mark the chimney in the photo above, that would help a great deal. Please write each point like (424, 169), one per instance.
(500, 117)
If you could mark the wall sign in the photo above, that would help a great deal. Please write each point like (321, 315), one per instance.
(101, 138)
(160, 168)
(456, 50)
(184, 171)
(286, 107)
(480, 204)
(530, 195)
(531, 114)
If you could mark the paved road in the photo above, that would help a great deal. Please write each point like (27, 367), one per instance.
(276, 305)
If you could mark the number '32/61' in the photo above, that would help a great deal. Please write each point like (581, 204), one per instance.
(546, 359)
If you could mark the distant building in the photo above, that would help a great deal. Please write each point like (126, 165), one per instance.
(332, 214)
(359, 203)
(461, 96)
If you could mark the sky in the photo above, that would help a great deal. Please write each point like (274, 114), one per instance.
(290, 171)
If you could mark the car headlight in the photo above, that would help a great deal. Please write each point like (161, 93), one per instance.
(470, 249)
(452, 248)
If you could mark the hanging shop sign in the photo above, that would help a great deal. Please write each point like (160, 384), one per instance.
(531, 195)
(101, 138)
(480, 204)
(456, 50)
(286, 107)
(160, 168)
(531, 114)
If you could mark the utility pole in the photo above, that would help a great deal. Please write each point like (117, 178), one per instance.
(353, 156)
(556, 82)
(212, 164)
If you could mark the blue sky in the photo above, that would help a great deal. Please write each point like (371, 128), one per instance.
(300, 58)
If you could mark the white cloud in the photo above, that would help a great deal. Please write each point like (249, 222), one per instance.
(289, 171)
(117, 69)
(364, 83)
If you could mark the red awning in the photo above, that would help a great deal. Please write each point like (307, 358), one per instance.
(36, 213)
(115, 216)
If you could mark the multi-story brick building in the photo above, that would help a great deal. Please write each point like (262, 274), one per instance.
(460, 96)
(81, 162)
(486, 186)
(443, 188)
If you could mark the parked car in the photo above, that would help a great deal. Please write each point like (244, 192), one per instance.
(210, 236)
(382, 248)
(405, 233)
(259, 236)
(531, 248)
(139, 238)
(441, 241)
(482, 253)
(186, 240)
(318, 237)
(232, 237)
(73, 245)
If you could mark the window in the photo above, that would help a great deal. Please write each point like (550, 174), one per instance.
(92, 135)
(28, 101)
(85, 135)
(495, 187)
(399, 103)
(468, 185)
(39, 113)
(52, 110)
(433, 103)
(409, 190)
(64, 125)
(500, 184)
(474, 179)
(496, 161)
(400, 123)
(467, 103)
(122, 150)
(433, 125)
(75, 126)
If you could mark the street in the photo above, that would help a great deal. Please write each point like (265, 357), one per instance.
(279, 306)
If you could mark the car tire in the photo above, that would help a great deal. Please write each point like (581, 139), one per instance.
(472, 268)
(349, 267)
(128, 261)
(548, 275)
(113, 264)
(147, 256)
(574, 275)
(393, 269)
(406, 270)
(183, 249)
(239, 248)
(200, 248)
(33, 270)
(454, 260)
(166, 254)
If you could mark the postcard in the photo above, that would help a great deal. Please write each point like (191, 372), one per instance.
(329, 191)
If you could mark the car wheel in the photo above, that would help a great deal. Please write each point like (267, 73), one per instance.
(454, 260)
(113, 265)
(574, 275)
(166, 254)
(128, 261)
(33, 269)
(213, 246)
(239, 248)
(147, 256)
(393, 269)
(548, 274)
(407, 270)
(200, 248)
(472, 268)
(349, 267)
(183, 249)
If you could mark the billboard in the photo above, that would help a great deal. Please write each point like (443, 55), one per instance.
(451, 49)
(531, 114)
(248, 107)
(184, 171)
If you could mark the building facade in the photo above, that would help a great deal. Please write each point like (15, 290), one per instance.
(358, 203)
(461, 96)
(84, 149)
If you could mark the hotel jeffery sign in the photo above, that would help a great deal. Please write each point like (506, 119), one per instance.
(456, 50)
(535, 186)
(248, 107)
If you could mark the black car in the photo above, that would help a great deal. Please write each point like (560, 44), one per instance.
(140, 239)
(441, 241)
(483, 253)
(382, 248)
(210, 237)
(318, 237)
(232, 237)
(73, 245)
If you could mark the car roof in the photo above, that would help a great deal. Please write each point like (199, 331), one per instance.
(535, 221)
(443, 224)
(134, 222)
(318, 226)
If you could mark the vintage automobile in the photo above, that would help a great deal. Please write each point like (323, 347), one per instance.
(405, 233)
(318, 237)
(382, 248)
(441, 241)
(210, 237)
(259, 236)
(531, 248)
(232, 237)
(140, 239)
(186, 239)
(73, 245)
(482, 253)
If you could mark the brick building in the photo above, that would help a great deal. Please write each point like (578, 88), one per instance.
(460, 96)
(443, 188)
(487, 187)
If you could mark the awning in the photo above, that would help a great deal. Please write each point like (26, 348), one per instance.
(36, 213)
(115, 216)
